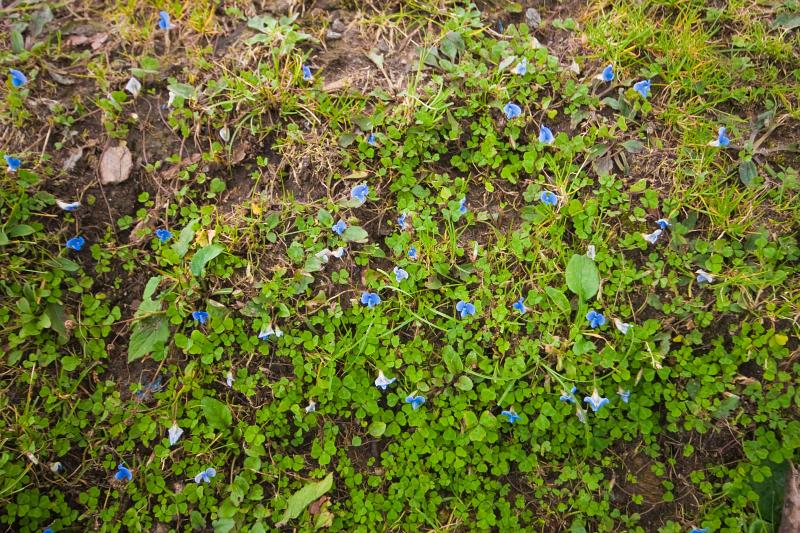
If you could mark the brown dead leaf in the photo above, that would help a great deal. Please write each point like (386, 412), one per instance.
(314, 508)
(115, 165)
(790, 522)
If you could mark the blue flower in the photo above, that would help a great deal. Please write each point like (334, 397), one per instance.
(595, 319)
(371, 139)
(370, 299)
(623, 327)
(545, 135)
(163, 21)
(402, 220)
(462, 206)
(569, 397)
(311, 407)
(548, 198)
(360, 192)
(400, 274)
(69, 207)
(699, 530)
(123, 473)
(512, 110)
(12, 162)
(174, 433)
(607, 74)
(663, 223)
(581, 413)
(200, 316)
(163, 235)
(625, 395)
(205, 476)
(382, 381)
(76, 243)
(465, 308)
(642, 87)
(412, 253)
(339, 227)
(704, 277)
(47, 530)
(595, 401)
(722, 140)
(415, 401)
(18, 79)
(519, 305)
(268, 331)
(307, 73)
(511, 415)
(652, 237)
(522, 67)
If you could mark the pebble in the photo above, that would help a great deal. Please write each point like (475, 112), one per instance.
(532, 18)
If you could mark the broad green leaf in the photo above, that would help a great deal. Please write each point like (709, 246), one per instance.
(302, 498)
(582, 277)
(377, 428)
(747, 172)
(558, 299)
(149, 334)
(325, 218)
(452, 360)
(17, 42)
(185, 239)
(184, 90)
(65, 264)
(355, 234)
(21, 230)
(218, 415)
(464, 383)
(203, 256)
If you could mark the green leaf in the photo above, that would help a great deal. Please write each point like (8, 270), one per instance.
(726, 407)
(203, 256)
(452, 360)
(62, 263)
(346, 139)
(377, 428)
(148, 335)
(325, 218)
(355, 234)
(17, 42)
(185, 239)
(452, 44)
(771, 491)
(184, 90)
(70, 363)
(302, 498)
(747, 172)
(633, 146)
(464, 383)
(558, 299)
(217, 414)
(21, 230)
(582, 276)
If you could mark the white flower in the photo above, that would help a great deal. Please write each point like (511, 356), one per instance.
(703, 276)
(133, 86)
(312, 406)
(623, 327)
(382, 381)
(229, 379)
(591, 252)
(267, 332)
(652, 237)
(174, 433)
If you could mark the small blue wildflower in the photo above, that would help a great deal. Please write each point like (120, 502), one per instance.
(652, 237)
(519, 305)
(400, 274)
(12, 162)
(311, 407)
(339, 227)
(548, 198)
(462, 206)
(402, 220)
(511, 415)
(704, 277)
(18, 79)
(268, 331)
(722, 140)
(412, 253)
(47, 530)
(581, 413)
(382, 381)
(415, 401)
(307, 73)
(465, 308)
(205, 476)
(76, 243)
(163, 21)
(699, 530)
(371, 139)
(595, 319)
(174, 433)
(200, 316)
(360, 192)
(512, 110)
(607, 74)
(163, 235)
(370, 299)
(663, 223)
(595, 401)
(69, 207)
(545, 135)
(123, 473)
(642, 87)
(569, 397)
(625, 395)
(522, 67)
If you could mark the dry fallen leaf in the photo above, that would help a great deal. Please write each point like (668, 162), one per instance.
(791, 503)
(115, 165)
